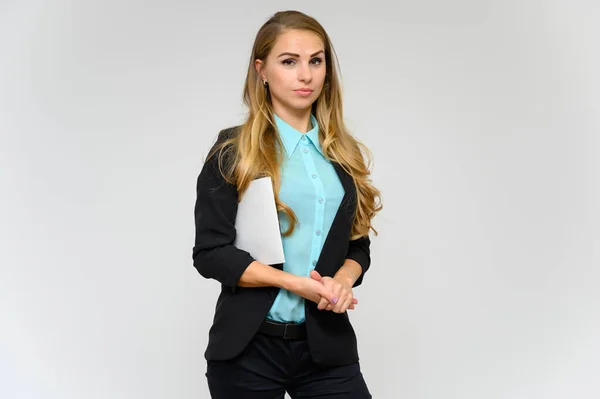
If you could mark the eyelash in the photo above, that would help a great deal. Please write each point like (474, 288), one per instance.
(284, 62)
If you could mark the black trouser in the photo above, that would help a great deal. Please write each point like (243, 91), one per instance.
(270, 366)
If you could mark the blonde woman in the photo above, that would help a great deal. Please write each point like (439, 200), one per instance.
(285, 327)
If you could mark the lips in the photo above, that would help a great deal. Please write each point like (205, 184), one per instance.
(304, 90)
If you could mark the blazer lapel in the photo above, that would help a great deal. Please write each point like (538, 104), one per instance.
(342, 222)
(349, 191)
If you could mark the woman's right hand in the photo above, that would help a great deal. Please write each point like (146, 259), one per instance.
(311, 289)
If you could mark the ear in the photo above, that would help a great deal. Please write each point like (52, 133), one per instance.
(259, 65)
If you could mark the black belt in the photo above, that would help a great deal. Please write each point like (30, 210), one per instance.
(283, 330)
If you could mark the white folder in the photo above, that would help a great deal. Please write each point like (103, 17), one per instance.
(257, 224)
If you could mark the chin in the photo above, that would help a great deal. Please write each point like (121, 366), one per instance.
(301, 105)
(297, 104)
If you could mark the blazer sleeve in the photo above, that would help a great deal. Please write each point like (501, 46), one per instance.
(213, 254)
(359, 251)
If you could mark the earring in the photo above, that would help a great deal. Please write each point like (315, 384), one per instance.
(265, 83)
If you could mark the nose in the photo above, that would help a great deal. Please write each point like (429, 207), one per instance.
(304, 73)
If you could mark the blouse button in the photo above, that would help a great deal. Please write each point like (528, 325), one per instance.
(305, 150)
(318, 232)
(314, 176)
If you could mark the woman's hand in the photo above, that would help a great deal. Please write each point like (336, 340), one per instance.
(311, 289)
(343, 297)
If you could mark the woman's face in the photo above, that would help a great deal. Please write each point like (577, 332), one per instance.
(294, 70)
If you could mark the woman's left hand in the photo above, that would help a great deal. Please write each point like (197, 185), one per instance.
(342, 290)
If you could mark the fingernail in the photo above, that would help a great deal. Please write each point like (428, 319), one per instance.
(334, 300)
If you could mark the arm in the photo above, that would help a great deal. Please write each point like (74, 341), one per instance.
(341, 286)
(348, 276)
(214, 254)
(349, 272)
(261, 275)
(358, 260)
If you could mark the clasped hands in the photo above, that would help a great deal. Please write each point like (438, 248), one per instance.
(329, 293)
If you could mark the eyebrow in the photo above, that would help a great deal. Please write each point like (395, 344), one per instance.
(298, 55)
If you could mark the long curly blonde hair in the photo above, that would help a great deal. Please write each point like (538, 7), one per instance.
(256, 149)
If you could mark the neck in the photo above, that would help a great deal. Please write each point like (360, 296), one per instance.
(298, 119)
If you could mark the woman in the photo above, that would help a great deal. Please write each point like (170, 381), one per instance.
(285, 327)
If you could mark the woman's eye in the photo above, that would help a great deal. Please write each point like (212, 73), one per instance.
(315, 61)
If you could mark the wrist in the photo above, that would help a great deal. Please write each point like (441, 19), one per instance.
(345, 277)
(350, 271)
(288, 281)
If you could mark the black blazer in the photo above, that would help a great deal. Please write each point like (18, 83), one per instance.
(240, 310)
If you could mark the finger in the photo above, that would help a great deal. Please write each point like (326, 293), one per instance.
(338, 291)
(332, 304)
(344, 302)
(353, 303)
(340, 294)
(338, 306)
(338, 303)
(347, 305)
(322, 304)
(343, 306)
(325, 293)
(315, 275)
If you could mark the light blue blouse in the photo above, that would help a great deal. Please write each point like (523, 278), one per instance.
(311, 187)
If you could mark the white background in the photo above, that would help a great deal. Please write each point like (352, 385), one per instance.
(484, 121)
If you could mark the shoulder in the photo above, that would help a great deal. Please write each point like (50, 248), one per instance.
(228, 133)
(221, 155)
(218, 148)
